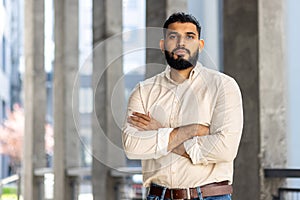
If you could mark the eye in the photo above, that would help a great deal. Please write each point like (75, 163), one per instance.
(172, 36)
(190, 37)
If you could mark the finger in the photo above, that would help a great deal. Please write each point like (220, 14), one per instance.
(129, 120)
(135, 124)
(145, 117)
(138, 126)
(139, 120)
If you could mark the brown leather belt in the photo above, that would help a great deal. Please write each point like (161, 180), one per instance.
(213, 189)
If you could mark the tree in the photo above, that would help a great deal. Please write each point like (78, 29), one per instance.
(12, 134)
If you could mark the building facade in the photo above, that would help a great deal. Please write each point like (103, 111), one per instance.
(10, 55)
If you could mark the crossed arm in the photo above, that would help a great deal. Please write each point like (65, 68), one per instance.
(145, 138)
(177, 137)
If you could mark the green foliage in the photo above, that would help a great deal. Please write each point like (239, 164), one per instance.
(9, 190)
(9, 193)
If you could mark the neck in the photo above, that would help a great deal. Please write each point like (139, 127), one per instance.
(180, 75)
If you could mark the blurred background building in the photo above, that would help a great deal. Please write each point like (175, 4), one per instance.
(71, 64)
(11, 31)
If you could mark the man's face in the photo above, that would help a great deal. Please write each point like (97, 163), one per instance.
(181, 45)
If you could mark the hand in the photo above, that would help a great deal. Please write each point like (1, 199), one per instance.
(202, 130)
(180, 134)
(180, 150)
(144, 122)
(196, 130)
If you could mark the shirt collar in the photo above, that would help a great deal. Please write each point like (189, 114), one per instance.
(194, 73)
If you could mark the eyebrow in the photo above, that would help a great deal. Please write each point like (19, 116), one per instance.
(172, 32)
(188, 33)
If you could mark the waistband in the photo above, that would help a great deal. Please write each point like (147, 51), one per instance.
(213, 189)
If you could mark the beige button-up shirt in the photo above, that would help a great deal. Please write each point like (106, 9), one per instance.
(207, 97)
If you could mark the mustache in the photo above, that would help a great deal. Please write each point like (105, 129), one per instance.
(180, 48)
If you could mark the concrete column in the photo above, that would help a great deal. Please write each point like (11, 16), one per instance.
(35, 98)
(107, 80)
(156, 14)
(115, 83)
(67, 144)
(254, 56)
(272, 91)
(99, 122)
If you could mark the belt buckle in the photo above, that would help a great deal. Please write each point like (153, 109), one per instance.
(188, 193)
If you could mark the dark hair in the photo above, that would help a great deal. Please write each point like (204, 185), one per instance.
(182, 18)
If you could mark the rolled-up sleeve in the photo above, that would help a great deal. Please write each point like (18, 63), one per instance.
(143, 144)
(221, 145)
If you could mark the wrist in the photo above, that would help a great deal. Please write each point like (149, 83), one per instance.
(200, 130)
(193, 130)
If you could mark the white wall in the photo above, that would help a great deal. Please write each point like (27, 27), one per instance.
(293, 56)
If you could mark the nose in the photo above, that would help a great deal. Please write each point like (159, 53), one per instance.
(180, 41)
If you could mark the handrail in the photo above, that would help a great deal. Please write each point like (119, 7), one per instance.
(9, 179)
(75, 171)
(86, 171)
(125, 171)
(289, 189)
(281, 173)
(79, 171)
(42, 171)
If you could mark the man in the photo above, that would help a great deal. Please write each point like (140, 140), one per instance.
(185, 123)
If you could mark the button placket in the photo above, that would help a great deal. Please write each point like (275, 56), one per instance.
(174, 109)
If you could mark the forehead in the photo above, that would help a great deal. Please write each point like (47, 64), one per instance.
(182, 27)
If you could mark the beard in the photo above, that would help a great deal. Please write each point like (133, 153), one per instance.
(180, 63)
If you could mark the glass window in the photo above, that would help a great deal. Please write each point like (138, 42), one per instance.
(3, 54)
(85, 100)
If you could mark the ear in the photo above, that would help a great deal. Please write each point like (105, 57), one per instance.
(201, 44)
(162, 45)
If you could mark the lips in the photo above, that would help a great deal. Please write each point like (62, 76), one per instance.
(180, 52)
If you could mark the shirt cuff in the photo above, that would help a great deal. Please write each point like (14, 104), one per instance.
(163, 135)
(194, 150)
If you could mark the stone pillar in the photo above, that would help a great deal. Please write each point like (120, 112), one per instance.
(156, 14)
(107, 79)
(115, 83)
(35, 99)
(254, 56)
(99, 122)
(67, 145)
(272, 91)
